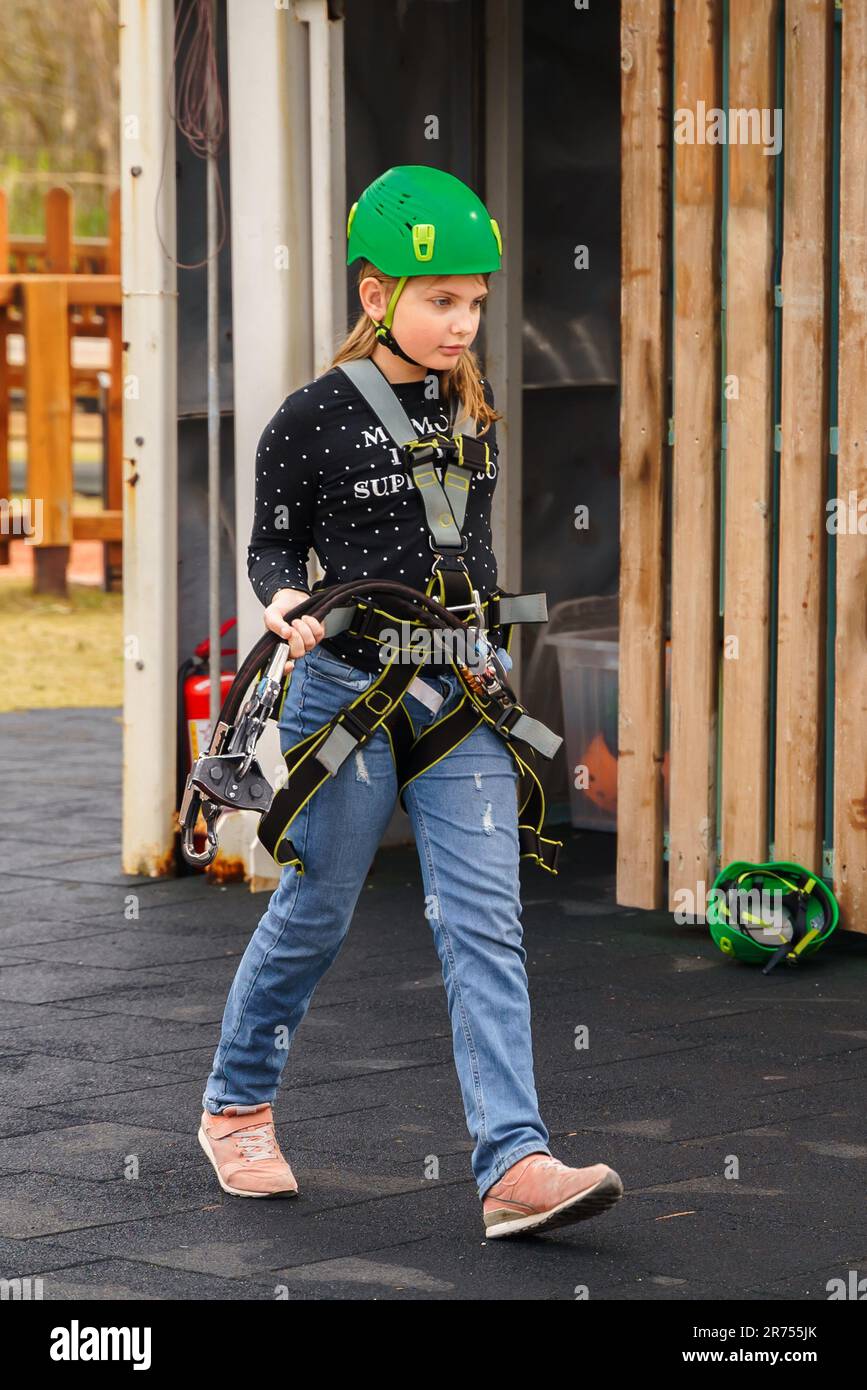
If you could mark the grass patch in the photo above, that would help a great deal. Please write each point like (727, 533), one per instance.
(57, 653)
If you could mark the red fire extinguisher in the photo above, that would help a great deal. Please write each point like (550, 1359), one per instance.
(194, 709)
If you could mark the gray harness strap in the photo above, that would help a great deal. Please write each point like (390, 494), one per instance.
(513, 608)
(376, 390)
(523, 608)
(445, 503)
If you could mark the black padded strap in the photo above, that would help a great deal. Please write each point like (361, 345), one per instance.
(321, 754)
(380, 706)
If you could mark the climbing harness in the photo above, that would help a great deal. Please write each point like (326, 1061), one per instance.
(445, 503)
(228, 775)
(765, 913)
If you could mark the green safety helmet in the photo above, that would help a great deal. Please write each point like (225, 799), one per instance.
(418, 220)
(802, 917)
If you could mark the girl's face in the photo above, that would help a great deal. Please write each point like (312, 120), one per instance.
(436, 313)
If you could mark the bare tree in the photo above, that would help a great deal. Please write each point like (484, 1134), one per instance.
(59, 95)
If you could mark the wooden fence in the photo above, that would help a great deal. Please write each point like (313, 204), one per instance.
(50, 291)
(744, 281)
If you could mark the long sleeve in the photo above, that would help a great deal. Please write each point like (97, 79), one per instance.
(284, 507)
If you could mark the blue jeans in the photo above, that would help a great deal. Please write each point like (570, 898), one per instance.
(464, 816)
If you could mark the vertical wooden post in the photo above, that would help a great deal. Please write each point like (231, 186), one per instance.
(4, 378)
(58, 232)
(644, 188)
(750, 431)
(804, 428)
(49, 429)
(695, 512)
(113, 463)
(850, 693)
(50, 571)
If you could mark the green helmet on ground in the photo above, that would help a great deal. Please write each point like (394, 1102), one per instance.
(418, 220)
(749, 926)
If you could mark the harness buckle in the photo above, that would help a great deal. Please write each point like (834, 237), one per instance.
(500, 722)
(429, 450)
(448, 551)
(356, 726)
(367, 620)
(476, 607)
(448, 557)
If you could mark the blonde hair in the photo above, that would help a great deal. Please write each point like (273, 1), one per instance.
(463, 380)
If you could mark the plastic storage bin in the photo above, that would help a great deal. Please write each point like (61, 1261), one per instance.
(589, 664)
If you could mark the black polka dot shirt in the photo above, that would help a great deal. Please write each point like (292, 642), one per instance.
(330, 478)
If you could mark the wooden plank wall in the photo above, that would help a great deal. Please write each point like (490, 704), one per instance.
(738, 653)
(850, 690)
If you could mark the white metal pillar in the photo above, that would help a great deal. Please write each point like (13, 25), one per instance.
(504, 196)
(149, 291)
(287, 173)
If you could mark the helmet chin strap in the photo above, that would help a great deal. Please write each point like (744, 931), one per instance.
(387, 338)
(383, 330)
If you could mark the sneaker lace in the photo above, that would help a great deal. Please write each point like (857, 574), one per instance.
(257, 1142)
(548, 1162)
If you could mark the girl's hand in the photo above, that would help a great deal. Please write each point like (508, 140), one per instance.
(302, 634)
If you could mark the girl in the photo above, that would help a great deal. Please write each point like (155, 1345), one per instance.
(328, 476)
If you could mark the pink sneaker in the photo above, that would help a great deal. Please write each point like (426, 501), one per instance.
(243, 1149)
(539, 1191)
